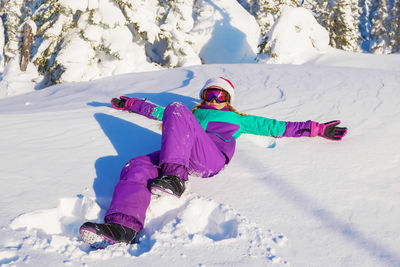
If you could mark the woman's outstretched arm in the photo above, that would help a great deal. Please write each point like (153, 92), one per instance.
(328, 130)
(138, 106)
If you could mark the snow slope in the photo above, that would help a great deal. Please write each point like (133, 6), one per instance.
(283, 202)
(298, 202)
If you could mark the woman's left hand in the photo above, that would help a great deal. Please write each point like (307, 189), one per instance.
(328, 130)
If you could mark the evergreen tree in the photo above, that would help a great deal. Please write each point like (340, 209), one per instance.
(395, 28)
(252, 6)
(2, 42)
(53, 22)
(380, 28)
(268, 12)
(60, 29)
(344, 33)
(322, 11)
(175, 31)
(365, 24)
(14, 13)
(143, 17)
(160, 30)
(12, 18)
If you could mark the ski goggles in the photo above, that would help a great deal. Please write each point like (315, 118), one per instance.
(215, 93)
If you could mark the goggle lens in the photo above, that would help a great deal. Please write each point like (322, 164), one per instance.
(214, 93)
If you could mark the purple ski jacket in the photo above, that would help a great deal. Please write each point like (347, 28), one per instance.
(224, 126)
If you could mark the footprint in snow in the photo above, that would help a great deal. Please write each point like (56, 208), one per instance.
(193, 220)
(186, 222)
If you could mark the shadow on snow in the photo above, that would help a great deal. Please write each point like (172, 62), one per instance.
(227, 44)
(329, 221)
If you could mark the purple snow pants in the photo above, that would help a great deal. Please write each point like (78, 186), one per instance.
(183, 143)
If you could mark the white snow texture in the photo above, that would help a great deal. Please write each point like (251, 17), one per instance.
(280, 202)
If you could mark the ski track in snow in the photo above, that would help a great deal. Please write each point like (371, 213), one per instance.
(186, 222)
(378, 92)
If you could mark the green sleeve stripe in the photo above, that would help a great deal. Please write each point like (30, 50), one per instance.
(262, 126)
(158, 112)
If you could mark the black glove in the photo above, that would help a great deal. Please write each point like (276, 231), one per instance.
(328, 130)
(123, 103)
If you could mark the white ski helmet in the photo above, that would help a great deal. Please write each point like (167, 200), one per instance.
(222, 83)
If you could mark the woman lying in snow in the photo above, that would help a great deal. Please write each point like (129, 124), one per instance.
(200, 143)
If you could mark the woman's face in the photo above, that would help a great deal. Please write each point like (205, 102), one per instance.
(215, 97)
(213, 103)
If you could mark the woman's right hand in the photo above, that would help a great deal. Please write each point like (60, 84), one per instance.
(123, 103)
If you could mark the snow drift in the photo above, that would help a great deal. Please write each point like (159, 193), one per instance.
(301, 202)
(295, 38)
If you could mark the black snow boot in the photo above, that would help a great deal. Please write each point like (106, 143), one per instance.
(169, 184)
(100, 235)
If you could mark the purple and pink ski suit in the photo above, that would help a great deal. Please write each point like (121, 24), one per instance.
(198, 143)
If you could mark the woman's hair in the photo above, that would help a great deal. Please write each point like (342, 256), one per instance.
(229, 106)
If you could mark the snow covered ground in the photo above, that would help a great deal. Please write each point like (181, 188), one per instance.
(298, 202)
(283, 202)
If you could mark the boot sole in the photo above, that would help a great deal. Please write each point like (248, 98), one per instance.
(95, 240)
(158, 191)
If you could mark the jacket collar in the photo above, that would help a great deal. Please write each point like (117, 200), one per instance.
(204, 106)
